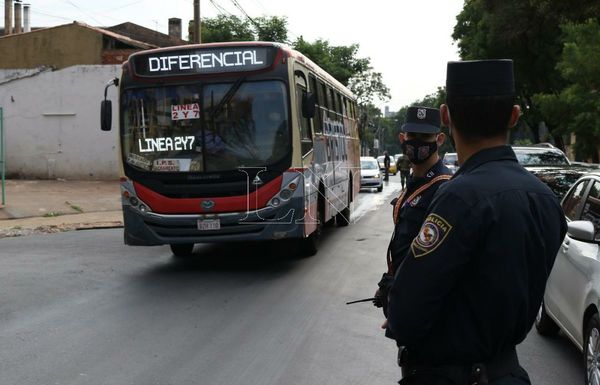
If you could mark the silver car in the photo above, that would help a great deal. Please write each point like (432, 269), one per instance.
(572, 298)
(370, 174)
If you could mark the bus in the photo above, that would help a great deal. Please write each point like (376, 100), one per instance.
(225, 142)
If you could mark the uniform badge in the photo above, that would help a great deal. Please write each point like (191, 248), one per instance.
(415, 201)
(421, 113)
(434, 231)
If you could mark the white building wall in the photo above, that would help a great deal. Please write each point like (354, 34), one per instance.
(52, 123)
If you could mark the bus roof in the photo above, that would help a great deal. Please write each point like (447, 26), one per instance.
(285, 49)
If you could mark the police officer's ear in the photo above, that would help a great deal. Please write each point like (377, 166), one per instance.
(402, 137)
(514, 116)
(445, 115)
(441, 138)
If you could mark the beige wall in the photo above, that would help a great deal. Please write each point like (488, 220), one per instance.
(60, 47)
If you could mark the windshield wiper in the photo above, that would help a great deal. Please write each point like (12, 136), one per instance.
(227, 97)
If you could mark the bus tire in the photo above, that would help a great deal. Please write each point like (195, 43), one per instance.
(343, 217)
(310, 245)
(182, 249)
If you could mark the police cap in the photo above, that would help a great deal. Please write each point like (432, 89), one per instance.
(480, 78)
(422, 120)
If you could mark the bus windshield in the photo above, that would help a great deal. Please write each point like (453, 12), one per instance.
(205, 127)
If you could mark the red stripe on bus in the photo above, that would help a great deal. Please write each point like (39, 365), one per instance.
(164, 205)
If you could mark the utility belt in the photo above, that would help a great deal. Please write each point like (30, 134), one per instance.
(476, 374)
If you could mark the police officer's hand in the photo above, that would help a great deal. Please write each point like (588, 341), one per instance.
(381, 295)
(384, 325)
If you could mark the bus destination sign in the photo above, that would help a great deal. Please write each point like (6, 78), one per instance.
(204, 61)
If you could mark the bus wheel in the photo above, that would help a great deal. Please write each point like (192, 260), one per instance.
(343, 217)
(182, 250)
(310, 245)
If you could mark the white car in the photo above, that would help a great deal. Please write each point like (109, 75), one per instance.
(451, 161)
(370, 175)
(572, 298)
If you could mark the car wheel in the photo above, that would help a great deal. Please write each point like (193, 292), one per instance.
(380, 189)
(182, 250)
(544, 324)
(591, 351)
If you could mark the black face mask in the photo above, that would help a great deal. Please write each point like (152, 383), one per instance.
(418, 151)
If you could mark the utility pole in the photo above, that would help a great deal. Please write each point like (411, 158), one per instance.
(197, 29)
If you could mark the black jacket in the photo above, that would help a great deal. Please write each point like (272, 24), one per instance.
(474, 277)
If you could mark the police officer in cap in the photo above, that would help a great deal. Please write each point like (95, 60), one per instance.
(472, 282)
(420, 138)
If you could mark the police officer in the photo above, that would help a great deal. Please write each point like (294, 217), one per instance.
(403, 167)
(386, 164)
(472, 282)
(420, 139)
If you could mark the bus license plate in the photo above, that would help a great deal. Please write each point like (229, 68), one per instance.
(209, 224)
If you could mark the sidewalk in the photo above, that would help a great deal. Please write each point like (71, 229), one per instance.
(34, 206)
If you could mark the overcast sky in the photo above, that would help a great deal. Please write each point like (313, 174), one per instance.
(408, 41)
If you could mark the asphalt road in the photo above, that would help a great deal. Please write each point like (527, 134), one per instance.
(82, 308)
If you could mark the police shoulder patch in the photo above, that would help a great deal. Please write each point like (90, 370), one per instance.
(433, 232)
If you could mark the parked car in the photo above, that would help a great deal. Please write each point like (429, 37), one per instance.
(391, 169)
(450, 160)
(572, 297)
(551, 166)
(370, 173)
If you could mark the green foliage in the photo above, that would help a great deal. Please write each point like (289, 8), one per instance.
(529, 32)
(231, 28)
(272, 29)
(226, 28)
(343, 63)
(523, 142)
(576, 108)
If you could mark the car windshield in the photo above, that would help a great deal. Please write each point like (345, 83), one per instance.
(450, 158)
(215, 127)
(541, 158)
(369, 165)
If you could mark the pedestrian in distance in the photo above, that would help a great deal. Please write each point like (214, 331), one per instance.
(472, 282)
(386, 164)
(403, 167)
(420, 138)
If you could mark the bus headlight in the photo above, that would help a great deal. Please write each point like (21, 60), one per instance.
(285, 194)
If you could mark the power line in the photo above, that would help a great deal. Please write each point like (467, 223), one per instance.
(238, 6)
(82, 11)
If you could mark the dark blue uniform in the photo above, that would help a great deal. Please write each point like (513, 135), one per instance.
(410, 216)
(473, 279)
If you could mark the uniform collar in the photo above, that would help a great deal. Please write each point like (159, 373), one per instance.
(503, 152)
(434, 171)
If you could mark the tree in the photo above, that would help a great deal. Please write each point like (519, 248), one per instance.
(272, 29)
(527, 31)
(576, 108)
(343, 63)
(226, 28)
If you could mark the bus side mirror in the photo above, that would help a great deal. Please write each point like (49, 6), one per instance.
(106, 107)
(308, 105)
(105, 115)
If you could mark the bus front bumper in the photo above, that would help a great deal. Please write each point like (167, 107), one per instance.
(269, 223)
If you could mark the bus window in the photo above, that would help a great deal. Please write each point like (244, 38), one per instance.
(304, 123)
(324, 97)
(317, 91)
(330, 99)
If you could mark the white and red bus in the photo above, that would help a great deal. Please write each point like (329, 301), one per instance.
(233, 142)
